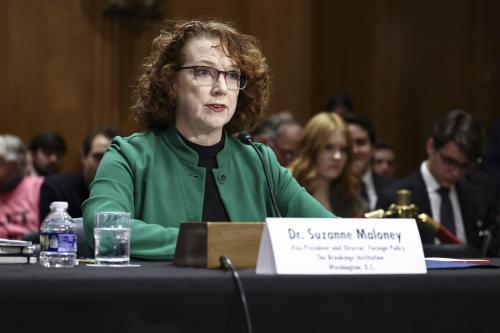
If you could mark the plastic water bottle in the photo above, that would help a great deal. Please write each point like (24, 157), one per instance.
(58, 237)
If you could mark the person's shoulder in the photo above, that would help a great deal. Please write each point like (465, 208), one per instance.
(133, 139)
(264, 148)
(138, 142)
(381, 181)
(33, 180)
(411, 180)
(247, 149)
(67, 175)
(480, 185)
(63, 178)
(29, 187)
(235, 143)
(480, 179)
(247, 154)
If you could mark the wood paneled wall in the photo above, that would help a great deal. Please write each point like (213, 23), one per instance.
(404, 63)
(68, 68)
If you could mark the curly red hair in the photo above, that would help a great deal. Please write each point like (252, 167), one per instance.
(154, 99)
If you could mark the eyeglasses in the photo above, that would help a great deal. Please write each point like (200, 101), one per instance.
(453, 163)
(207, 76)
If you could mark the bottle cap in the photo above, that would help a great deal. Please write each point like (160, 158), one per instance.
(59, 205)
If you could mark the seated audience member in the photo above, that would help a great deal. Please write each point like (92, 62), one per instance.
(323, 163)
(384, 160)
(339, 104)
(491, 166)
(203, 82)
(491, 163)
(19, 194)
(439, 187)
(45, 154)
(280, 132)
(363, 140)
(288, 134)
(265, 132)
(489, 186)
(73, 187)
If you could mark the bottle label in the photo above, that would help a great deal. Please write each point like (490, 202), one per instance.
(56, 242)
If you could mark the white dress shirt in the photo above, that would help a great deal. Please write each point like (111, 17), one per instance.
(370, 188)
(435, 200)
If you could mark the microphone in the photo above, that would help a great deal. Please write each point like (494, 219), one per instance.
(246, 138)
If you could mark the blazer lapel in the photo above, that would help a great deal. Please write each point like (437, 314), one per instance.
(467, 206)
(420, 196)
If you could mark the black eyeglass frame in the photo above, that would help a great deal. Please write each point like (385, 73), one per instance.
(452, 163)
(243, 77)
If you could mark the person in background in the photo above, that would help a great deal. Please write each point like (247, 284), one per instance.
(491, 164)
(384, 160)
(363, 140)
(288, 134)
(439, 187)
(19, 194)
(490, 179)
(281, 133)
(45, 154)
(203, 82)
(265, 132)
(340, 104)
(323, 165)
(73, 186)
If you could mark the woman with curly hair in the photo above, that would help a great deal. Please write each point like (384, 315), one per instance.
(203, 82)
(323, 165)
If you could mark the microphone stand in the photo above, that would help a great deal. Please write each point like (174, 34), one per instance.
(247, 139)
(405, 209)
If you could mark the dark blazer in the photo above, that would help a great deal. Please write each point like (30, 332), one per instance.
(477, 211)
(381, 182)
(66, 186)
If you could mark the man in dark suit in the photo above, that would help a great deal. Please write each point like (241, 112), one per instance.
(73, 186)
(363, 143)
(45, 154)
(439, 187)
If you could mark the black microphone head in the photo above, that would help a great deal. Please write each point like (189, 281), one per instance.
(225, 262)
(245, 137)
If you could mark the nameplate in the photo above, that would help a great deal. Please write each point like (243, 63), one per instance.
(340, 246)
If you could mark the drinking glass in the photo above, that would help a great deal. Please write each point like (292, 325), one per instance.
(112, 238)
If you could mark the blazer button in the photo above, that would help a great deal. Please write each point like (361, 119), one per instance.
(222, 178)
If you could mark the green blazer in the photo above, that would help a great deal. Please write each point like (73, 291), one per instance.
(154, 176)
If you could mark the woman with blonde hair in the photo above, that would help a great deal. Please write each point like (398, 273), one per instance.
(322, 165)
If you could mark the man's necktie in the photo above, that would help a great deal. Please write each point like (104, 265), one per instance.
(446, 211)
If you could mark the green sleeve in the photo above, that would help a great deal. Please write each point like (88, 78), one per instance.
(113, 190)
(293, 200)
